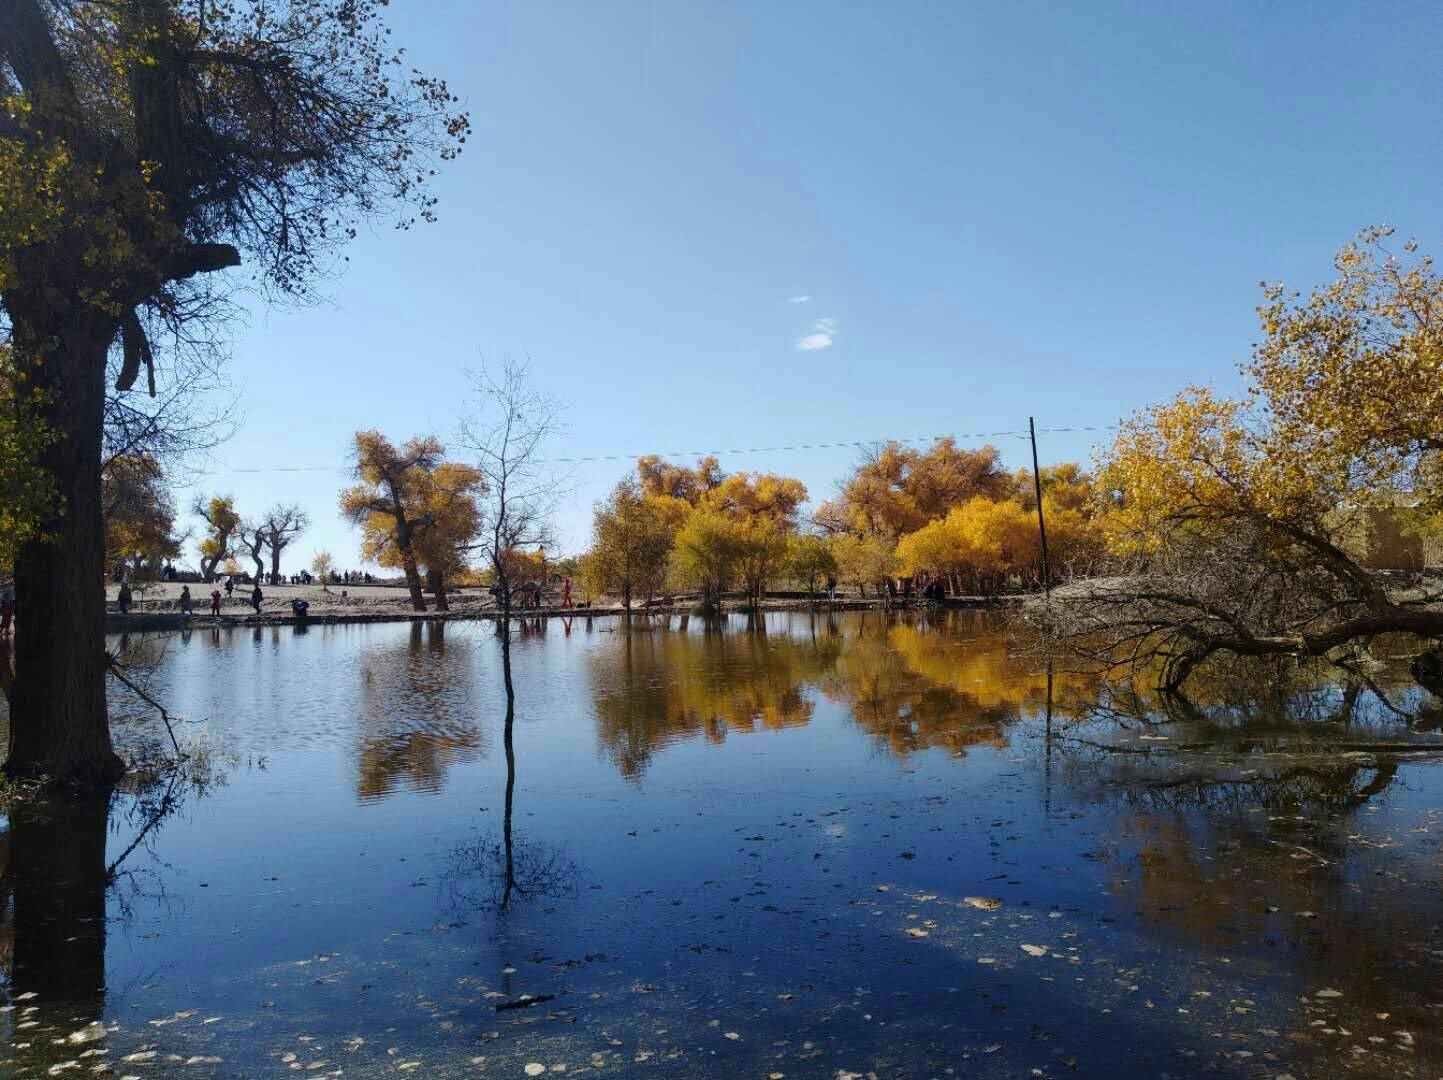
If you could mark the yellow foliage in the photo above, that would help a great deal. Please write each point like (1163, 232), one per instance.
(706, 553)
(139, 512)
(900, 489)
(222, 519)
(750, 496)
(632, 533)
(1343, 416)
(981, 539)
(864, 560)
(413, 507)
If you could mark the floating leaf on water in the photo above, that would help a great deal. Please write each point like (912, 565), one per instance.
(1034, 950)
(912, 931)
(90, 1033)
(982, 903)
(1329, 993)
(535, 1068)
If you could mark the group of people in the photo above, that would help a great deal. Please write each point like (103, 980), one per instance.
(168, 572)
(187, 602)
(531, 594)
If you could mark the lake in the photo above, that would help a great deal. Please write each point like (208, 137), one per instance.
(792, 846)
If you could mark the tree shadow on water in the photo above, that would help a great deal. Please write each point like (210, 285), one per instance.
(69, 868)
(488, 873)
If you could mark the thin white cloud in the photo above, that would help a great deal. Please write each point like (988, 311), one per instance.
(798, 299)
(826, 333)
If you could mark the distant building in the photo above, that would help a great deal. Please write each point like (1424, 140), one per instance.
(1382, 538)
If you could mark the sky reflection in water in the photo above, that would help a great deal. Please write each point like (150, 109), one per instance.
(739, 850)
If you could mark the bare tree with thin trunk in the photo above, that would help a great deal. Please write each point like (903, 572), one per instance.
(510, 423)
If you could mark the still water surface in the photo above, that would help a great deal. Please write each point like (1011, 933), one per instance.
(738, 850)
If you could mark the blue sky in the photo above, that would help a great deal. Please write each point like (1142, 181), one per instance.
(996, 211)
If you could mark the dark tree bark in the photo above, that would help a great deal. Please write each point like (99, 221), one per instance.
(255, 541)
(413, 581)
(58, 722)
(437, 583)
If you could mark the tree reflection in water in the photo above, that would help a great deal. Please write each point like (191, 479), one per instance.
(659, 686)
(56, 884)
(486, 874)
(950, 682)
(414, 721)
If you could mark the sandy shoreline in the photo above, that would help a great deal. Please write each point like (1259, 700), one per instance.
(157, 606)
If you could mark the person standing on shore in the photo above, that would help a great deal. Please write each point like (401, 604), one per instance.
(215, 602)
(7, 609)
(124, 598)
(566, 593)
(186, 607)
(229, 587)
(256, 598)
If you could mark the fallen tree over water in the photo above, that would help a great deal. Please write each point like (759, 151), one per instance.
(1253, 527)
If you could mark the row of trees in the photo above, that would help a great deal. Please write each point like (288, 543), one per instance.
(141, 534)
(695, 528)
(228, 536)
(949, 512)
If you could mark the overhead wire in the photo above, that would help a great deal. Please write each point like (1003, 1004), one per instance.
(846, 444)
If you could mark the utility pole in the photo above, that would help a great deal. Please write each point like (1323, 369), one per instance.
(1041, 522)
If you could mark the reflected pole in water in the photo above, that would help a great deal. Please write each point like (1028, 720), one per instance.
(1047, 757)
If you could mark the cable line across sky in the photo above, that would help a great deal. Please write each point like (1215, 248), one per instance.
(846, 444)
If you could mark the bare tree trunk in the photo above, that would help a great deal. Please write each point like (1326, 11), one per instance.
(58, 722)
(276, 563)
